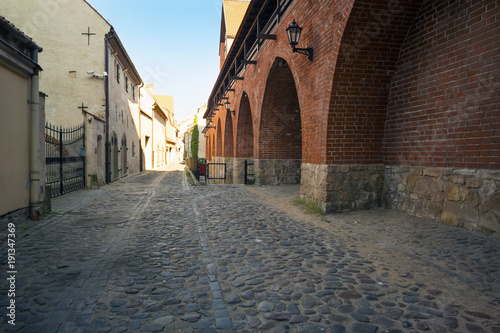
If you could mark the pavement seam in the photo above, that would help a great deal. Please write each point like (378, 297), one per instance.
(215, 285)
(221, 320)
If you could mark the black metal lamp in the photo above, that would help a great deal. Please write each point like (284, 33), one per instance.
(228, 107)
(293, 32)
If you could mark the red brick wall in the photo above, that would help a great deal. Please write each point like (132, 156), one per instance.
(213, 143)
(443, 107)
(312, 80)
(366, 63)
(208, 148)
(222, 53)
(395, 82)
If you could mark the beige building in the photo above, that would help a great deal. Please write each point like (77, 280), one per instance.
(90, 79)
(158, 129)
(21, 128)
(123, 110)
(74, 39)
(173, 141)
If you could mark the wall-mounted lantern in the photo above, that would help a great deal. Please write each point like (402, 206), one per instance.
(293, 32)
(228, 107)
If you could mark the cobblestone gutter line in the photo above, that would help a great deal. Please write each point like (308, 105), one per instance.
(222, 318)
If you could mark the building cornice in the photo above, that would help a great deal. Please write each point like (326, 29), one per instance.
(123, 57)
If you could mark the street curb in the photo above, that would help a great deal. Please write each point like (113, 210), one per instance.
(196, 182)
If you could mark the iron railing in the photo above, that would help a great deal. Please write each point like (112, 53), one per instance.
(65, 158)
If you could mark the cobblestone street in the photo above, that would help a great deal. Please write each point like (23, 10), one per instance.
(151, 253)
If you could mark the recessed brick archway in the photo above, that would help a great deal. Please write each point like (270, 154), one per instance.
(228, 137)
(280, 137)
(218, 151)
(244, 132)
(365, 66)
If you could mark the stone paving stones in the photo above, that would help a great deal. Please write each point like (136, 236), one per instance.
(152, 254)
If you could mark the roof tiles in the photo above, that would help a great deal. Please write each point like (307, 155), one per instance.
(234, 11)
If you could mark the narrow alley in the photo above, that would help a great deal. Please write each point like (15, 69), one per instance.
(152, 253)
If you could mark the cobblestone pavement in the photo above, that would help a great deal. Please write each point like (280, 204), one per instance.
(151, 253)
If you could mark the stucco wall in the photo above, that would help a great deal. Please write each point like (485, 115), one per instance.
(146, 141)
(95, 146)
(65, 79)
(159, 139)
(123, 112)
(14, 136)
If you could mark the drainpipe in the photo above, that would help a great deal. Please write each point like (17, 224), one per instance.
(106, 126)
(34, 186)
(141, 168)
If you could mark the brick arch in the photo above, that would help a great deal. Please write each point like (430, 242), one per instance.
(280, 133)
(228, 136)
(365, 66)
(244, 130)
(218, 149)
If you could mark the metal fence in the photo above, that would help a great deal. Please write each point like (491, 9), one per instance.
(216, 171)
(65, 158)
(249, 173)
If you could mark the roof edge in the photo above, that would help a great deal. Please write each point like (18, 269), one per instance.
(95, 10)
(115, 41)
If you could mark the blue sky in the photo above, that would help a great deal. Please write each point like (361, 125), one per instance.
(174, 45)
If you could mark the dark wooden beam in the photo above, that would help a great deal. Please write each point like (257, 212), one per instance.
(249, 62)
(266, 36)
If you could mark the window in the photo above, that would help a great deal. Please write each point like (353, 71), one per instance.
(126, 83)
(118, 73)
(133, 93)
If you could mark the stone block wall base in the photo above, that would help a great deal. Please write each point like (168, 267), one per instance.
(313, 184)
(346, 187)
(239, 169)
(464, 198)
(339, 188)
(275, 172)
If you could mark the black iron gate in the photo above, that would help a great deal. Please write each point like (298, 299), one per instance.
(249, 173)
(216, 171)
(65, 158)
